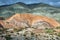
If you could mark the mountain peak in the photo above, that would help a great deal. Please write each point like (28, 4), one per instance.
(21, 3)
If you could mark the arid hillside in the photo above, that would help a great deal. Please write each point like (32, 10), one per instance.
(26, 26)
(29, 20)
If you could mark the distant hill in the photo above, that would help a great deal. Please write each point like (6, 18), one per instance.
(37, 9)
(45, 10)
(8, 10)
(37, 5)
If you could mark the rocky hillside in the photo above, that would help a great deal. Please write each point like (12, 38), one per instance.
(33, 22)
(27, 26)
(29, 20)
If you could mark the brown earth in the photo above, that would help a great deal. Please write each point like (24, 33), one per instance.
(27, 20)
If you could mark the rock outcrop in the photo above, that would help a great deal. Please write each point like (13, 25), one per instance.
(29, 27)
(29, 20)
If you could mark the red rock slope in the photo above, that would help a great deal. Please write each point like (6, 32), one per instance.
(27, 20)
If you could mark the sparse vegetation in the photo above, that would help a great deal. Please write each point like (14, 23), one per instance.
(58, 27)
(50, 31)
(17, 30)
(8, 37)
(58, 34)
